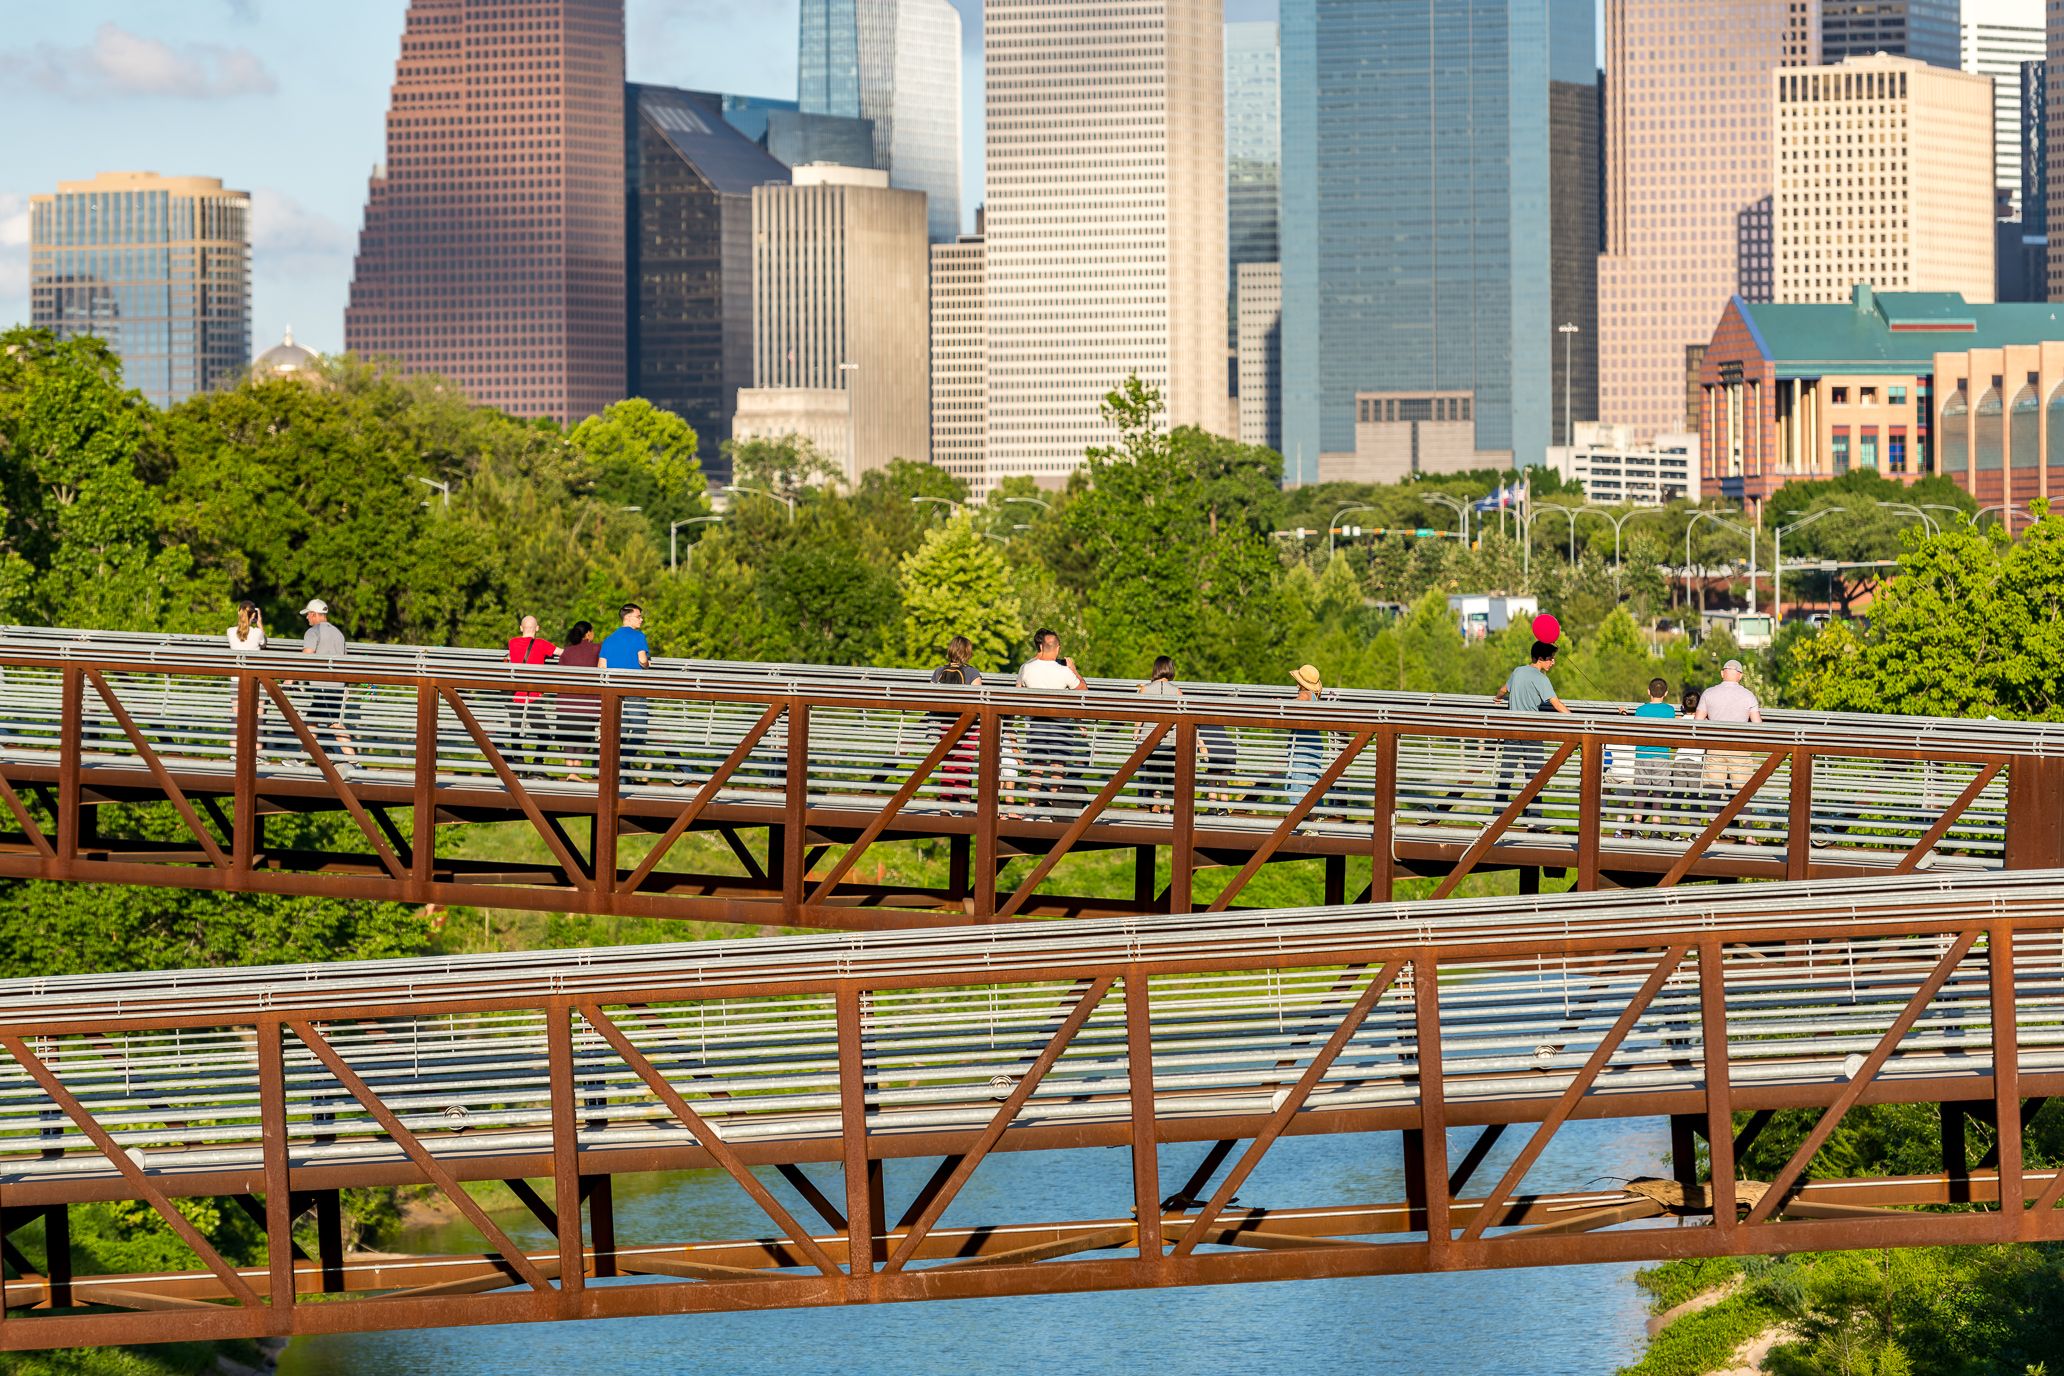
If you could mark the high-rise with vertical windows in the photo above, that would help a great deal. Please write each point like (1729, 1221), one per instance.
(1924, 30)
(689, 178)
(1998, 37)
(1688, 182)
(1420, 184)
(159, 267)
(1884, 175)
(896, 64)
(493, 245)
(1254, 148)
(960, 353)
(1106, 220)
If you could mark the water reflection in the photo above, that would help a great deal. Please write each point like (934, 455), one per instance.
(1573, 1320)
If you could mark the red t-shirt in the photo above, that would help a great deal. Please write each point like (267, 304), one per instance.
(530, 649)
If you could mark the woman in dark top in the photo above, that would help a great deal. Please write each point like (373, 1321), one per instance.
(579, 716)
(956, 672)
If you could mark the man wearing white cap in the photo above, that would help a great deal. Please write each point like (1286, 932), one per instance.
(326, 702)
(1729, 700)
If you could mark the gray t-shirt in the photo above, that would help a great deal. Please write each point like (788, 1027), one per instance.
(324, 640)
(1528, 690)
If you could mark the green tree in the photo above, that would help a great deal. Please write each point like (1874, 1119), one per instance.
(957, 583)
(639, 455)
(788, 465)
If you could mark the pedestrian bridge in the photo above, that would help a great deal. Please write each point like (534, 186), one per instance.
(1467, 1033)
(754, 793)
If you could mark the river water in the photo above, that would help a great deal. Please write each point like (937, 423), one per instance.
(1565, 1321)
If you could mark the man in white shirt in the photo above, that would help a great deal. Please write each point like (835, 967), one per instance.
(1729, 700)
(1055, 743)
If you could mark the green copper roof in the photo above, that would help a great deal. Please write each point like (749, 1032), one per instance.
(1892, 331)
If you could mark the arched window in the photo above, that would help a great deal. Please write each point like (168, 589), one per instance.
(1990, 425)
(1952, 441)
(2025, 429)
(2053, 422)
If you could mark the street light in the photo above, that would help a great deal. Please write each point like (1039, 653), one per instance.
(443, 489)
(1569, 332)
(1046, 506)
(942, 501)
(1777, 554)
(1720, 519)
(1526, 533)
(1927, 521)
(1454, 504)
(788, 502)
(673, 543)
(1358, 506)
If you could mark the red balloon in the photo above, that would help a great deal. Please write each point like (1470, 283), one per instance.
(1547, 628)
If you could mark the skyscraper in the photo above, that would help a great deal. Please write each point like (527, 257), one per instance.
(159, 267)
(960, 354)
(493, 245)
(1998, 36)
(1106, 219)
(895, 63)
(1884, 175)
(1254, 147)
(841, 273)
(1258, 352)
(1924, 30)
(690, 177)
(1419, 182)
(1687, 188)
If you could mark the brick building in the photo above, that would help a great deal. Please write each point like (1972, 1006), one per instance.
(1905, 383)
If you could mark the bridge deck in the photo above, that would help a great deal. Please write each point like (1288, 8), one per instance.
(767, 1058)
(783, 764)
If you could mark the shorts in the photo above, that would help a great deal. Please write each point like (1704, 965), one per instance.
(1728, 769)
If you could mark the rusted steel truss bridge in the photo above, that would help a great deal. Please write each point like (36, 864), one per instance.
(800, 1068)
(791, 775)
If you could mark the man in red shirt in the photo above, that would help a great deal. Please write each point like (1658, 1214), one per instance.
(529, 720)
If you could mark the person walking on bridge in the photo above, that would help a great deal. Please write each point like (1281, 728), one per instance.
(579, 714)
(323, 640)
(1729, 700)
(1157, 771)
(963, 758)
(1054, 744)
(1527, 689)
(1306, 746)
(528, 718)
(627, 648)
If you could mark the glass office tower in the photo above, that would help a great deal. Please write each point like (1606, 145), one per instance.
(1924, 30)
(159, 267)
(1417, 202)
(1253, 147)
(896, 64)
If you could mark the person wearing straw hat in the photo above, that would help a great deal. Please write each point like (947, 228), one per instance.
(1306, 746)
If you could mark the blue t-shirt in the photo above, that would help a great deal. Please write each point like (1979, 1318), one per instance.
(1667, 711)
(621, 648)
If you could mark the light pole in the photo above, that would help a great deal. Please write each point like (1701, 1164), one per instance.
(1526, 534)
(1720, 519)
(443, 490)
(1777, 555)
(1454, 504)
(1927, 521)
(1330, 525)
(788, 502)
(1044, 506)
(1568, 331)
(673, 543)
(846, 376)
(942, 501)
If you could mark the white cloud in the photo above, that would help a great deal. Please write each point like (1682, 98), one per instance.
(14, 259)
(282, 228)
(120, 63)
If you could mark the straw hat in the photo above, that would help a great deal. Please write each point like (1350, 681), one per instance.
(1306, 677)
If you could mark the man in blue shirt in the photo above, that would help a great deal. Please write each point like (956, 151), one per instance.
(626, 648)
(1652, 762)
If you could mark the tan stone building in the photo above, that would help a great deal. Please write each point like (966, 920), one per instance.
(1259, 354)
(960, 366)
(841, 287)
(1687, 186)
(820, 416)
(1106, 220)
(1401, 434)
(1884, 175)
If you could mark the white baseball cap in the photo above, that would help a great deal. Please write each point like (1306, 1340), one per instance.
(1733, 666)
(316, 605)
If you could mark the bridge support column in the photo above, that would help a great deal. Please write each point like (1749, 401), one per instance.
(1143, 887)
(1529, 879)
(1956, 1156)
(57, 1254)
(2035, 814)
(957, 866)
(329, 1240)
(601, 1222)
(1684, 1149)
(1336, 881)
